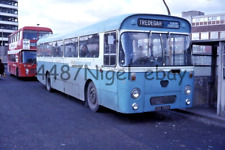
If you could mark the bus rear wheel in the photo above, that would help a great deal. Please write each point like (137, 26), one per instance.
(92, 98)
(48, 83)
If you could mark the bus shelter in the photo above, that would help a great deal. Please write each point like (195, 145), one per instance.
(209, 61)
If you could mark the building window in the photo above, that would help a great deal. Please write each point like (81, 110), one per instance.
(194, 20)
(222, 34)
(204, 35)
(195, 36)
(214, 35)
(202, 55)
(210, 18)
(201, 19)
(222, 17)
(218, 18)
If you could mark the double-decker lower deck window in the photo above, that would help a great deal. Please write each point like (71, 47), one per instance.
(12, 57)
(89, 46)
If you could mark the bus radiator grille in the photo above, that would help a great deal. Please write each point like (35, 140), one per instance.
(163, 100)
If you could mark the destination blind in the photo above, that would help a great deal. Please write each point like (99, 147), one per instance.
(158, 23)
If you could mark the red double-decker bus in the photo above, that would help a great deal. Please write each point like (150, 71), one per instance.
(22, 50)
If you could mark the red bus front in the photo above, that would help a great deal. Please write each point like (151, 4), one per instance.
(23, 63)
(27, 64)
(22, 50)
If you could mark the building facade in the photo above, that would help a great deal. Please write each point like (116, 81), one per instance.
(8, 23)
(208, 57)
(205, 27)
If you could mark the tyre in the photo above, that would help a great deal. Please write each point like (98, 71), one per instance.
(48, 83)
(17, 72)
(92, 97)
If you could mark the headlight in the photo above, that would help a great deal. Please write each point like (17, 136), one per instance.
(188, 89)
(135, 93)
(27, 71)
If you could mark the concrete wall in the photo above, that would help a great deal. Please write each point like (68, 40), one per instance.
(221, 80)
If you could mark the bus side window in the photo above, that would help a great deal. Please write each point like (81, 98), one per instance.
(71, 47)
(110, 45)
(48, 49)
(57, 49)
(89, 46)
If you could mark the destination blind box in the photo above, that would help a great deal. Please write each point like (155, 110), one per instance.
(158, 23)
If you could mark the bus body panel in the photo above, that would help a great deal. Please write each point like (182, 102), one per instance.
(115, 84)
(152, 89)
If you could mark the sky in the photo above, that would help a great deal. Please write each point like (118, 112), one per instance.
(64, 15)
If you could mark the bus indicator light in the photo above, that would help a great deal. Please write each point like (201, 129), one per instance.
(133, 76)
(135, 106)
(188, 90)
(191, 74)
(188, 102)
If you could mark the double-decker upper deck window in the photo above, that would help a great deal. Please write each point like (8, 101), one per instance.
(110, 45)
(71, 46)
(29, 34)
(89, 46)
(57, 49)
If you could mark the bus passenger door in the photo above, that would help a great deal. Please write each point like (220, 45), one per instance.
(108, 86)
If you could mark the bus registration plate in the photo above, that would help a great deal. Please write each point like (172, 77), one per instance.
(166, 107)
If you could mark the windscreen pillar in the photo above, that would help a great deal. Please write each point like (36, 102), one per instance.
(221, 80)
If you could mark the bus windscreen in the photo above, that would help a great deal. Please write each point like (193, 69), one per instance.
(28, 57)
(154, 49)
(31, 35)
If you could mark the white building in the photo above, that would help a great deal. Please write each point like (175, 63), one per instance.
(8, 23)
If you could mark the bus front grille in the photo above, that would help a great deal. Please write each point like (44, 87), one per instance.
(33, 71)
(163, 100)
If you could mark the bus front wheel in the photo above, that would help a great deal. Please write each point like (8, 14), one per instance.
(92, 98)
(48, 83)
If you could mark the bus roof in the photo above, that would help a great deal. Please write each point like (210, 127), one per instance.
(115, 23)
(35, 28)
